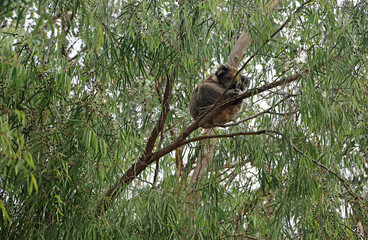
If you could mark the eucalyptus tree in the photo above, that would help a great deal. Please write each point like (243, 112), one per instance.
(97, 142)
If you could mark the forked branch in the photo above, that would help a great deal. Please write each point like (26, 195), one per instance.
(146, 159)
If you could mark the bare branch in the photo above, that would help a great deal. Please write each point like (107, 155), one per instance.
(203, 163)
(239, 50)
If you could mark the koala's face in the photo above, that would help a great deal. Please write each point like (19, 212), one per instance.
(225, 74)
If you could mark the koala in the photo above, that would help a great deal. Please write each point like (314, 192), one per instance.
(207, 93)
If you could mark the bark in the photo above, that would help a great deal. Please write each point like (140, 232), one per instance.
(239, 50)
(204, 161)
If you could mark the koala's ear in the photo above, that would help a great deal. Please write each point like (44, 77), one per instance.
(222, 69)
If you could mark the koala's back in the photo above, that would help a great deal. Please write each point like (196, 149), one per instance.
(204, 96)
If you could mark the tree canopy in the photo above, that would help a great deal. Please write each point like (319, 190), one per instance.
(96, 140)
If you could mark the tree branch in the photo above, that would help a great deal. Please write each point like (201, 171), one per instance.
(137, 168)
(162, 119)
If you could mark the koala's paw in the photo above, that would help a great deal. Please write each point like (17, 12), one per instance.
(235, 92)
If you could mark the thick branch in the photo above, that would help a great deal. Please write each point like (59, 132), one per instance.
(161, 120)
(204, 161)
(239, 50)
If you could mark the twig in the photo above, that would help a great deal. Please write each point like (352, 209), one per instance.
(240, 235)
(342, 180)
(268, 110)
(222, 136)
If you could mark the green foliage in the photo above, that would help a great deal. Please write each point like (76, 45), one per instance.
(81, 88)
